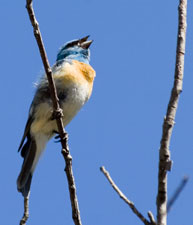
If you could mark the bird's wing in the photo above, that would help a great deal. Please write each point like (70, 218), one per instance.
(26, 131)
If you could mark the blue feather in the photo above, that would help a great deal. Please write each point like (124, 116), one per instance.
(74, 53)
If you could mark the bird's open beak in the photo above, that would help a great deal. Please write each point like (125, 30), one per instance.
(84, 43)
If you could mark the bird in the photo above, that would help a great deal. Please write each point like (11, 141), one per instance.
(73, 77)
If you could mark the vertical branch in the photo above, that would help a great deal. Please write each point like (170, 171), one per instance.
(164, 152)
(57, 114)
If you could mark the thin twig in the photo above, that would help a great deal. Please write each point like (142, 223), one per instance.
(126, 200)
(26, 211)
(151, 218)
(57, 114)
(164, 152)
(177, 192)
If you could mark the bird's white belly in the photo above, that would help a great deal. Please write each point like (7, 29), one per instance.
(75, 99)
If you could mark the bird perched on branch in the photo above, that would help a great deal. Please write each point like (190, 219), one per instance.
(73, 78)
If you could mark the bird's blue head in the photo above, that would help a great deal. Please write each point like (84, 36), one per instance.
(76, 49)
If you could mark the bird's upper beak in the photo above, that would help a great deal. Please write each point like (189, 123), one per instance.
(84, 43)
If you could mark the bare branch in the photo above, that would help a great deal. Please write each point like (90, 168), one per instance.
(57, 114)
(151, 218)
(177, 192)
(26, 211)
(126, 200)
(164, 152)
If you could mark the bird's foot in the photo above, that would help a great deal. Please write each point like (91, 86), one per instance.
(57, 114)
(58, 138)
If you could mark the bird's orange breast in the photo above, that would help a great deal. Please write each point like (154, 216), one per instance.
(76, 72)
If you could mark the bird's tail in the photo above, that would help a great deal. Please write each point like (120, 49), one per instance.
(31, 152)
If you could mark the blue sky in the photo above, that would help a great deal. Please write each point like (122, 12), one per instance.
(133, 54)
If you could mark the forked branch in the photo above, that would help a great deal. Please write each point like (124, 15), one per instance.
(165, 162)
(127, 201)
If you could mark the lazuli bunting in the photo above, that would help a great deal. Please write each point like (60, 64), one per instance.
(74, 78)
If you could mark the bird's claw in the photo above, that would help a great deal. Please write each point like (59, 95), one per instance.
(57, 114)
(58, 137)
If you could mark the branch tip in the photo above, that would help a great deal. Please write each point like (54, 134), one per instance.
(151, 218)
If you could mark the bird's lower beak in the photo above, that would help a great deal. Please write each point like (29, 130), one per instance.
(86, 44)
